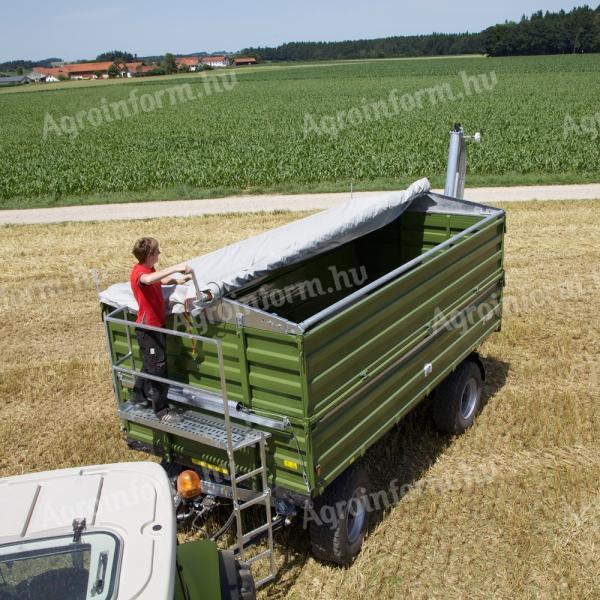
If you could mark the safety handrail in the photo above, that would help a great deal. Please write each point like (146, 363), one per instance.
(112, 318)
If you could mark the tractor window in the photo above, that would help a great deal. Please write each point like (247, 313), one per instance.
(59, 569)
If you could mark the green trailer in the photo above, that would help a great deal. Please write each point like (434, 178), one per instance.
(285, 383)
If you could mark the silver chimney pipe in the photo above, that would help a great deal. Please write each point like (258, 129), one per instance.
(457, 162)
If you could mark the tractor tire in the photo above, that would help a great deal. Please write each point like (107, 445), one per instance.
(237, 582)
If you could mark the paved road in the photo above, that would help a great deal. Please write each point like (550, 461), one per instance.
(297, 202)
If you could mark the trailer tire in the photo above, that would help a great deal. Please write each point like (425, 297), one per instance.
(340, 518)
(236, 578)
(457, 400)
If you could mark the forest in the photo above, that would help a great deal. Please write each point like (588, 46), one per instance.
(576, 31)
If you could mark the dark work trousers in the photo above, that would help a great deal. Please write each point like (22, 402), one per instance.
(154, 362)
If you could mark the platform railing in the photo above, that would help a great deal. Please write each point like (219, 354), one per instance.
(265, 497)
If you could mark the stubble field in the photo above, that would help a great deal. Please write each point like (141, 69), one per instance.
(510, 509)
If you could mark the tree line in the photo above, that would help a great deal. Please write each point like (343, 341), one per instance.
(435, 44)
(543, 33)
(26, 65)
(546, 33)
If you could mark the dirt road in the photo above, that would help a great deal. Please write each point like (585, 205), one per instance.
(296, 202)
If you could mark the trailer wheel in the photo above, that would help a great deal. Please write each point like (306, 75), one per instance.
(456, 401)
(236, 578)
(340, 518)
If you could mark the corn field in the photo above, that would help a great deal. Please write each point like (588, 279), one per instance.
(320, 124)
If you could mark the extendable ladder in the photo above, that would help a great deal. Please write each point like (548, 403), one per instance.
(208, 430)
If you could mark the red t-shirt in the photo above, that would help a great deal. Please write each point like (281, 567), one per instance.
(151, 309)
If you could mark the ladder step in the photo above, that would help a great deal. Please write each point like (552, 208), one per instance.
(264, 580)
(251, 534)
(263, 554)
(241, 478)
(262, 498)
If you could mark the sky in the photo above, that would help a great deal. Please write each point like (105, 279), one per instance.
(76, 29)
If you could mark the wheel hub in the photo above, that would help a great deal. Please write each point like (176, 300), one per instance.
(468, 401)
(356, 519)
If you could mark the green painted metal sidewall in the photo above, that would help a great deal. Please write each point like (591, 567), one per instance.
(346, 353)
(305, 377)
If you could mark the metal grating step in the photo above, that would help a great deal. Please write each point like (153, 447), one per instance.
(194, 426)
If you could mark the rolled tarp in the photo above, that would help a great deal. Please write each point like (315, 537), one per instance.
(235, 266)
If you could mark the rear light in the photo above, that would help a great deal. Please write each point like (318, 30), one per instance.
(188, 484)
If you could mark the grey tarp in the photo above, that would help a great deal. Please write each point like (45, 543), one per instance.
(234, 266)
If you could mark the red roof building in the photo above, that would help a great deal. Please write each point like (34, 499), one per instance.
(241, 62)
(90, 70)
(189, 61)
(144, 69)
(54, 71)
(87, 70)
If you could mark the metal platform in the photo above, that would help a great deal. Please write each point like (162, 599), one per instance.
(194, 426)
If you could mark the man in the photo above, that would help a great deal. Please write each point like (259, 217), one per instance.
(146, 284)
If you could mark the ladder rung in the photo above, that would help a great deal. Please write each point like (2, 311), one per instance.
(249, 442)
(263, 554)
(251, 534)
(264, 496)
(264, 580)
(248, 475)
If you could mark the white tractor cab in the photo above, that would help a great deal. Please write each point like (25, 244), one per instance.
(106, 532)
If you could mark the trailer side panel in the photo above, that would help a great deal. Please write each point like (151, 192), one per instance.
(371, 363)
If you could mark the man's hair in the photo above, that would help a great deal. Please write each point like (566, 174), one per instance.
(144, 247)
